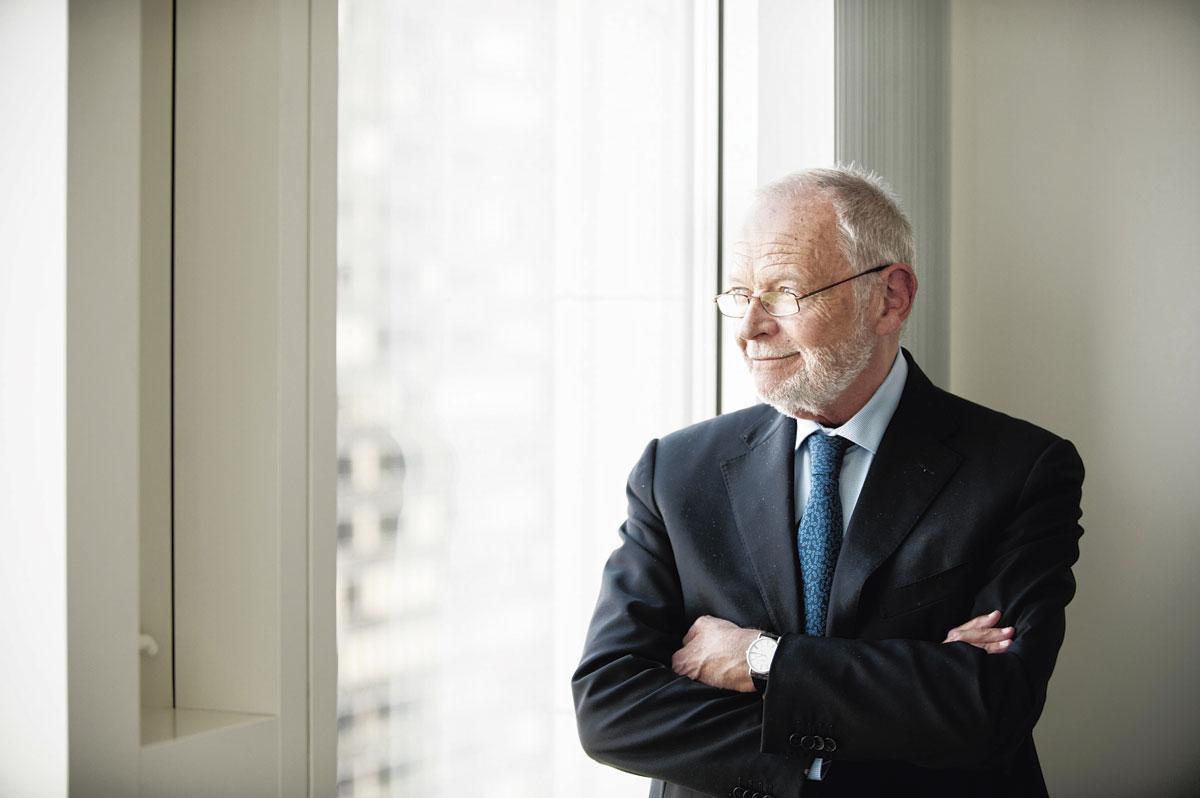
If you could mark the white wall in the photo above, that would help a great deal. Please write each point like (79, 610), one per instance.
(1076, 270)
(70, 328)
(102, 403)
(33, 271)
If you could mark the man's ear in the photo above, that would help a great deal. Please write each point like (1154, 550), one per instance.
(899, 291)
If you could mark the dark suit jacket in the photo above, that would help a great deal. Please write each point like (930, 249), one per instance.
(964, 510)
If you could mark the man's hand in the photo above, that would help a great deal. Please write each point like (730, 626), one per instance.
(714, 650)
(981, 633)
(714, 653)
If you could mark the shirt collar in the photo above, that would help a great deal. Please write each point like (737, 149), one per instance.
(866, 427)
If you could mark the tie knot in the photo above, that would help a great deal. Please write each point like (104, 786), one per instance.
(826, 452)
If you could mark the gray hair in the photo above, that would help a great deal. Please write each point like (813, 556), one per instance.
(872, 230)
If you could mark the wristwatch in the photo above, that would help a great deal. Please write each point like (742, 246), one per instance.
(759, 656)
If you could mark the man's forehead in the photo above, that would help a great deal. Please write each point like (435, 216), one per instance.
(790, 219)
(787, 235)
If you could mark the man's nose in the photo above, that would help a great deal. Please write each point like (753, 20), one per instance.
(757, 322)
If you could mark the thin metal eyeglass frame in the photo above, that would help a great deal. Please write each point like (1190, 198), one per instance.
(717, 298)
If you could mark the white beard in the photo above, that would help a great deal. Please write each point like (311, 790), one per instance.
(824, 375)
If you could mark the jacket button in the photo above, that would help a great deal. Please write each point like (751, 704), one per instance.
(807, 742)
(818, 743)
(756, 795)
(737, 792)
(795, 739)
(830, 744)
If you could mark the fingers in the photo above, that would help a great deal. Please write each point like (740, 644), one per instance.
(993, 641)
(685, 662)
(979, 636)
(980, 622)
(981, 632)
(706, 623)
(695, 628)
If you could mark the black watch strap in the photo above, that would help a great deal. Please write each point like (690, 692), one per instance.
(760, 682)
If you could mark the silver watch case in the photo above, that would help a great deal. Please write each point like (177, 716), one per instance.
(759, 655)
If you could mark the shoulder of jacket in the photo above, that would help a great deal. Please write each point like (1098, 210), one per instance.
(733, 424)
(979, 420)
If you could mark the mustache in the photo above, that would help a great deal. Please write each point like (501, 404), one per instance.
(767, 351)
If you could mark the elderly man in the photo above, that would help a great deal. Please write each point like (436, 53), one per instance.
(785, 612)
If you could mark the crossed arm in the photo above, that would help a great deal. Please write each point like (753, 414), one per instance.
(931, 704)
(714, 650)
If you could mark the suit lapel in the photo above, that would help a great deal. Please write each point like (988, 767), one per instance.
(907, 473)
(760, 487)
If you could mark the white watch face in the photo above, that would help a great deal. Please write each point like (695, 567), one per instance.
(761, 652)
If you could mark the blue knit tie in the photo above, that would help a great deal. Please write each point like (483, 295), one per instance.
(820, 534)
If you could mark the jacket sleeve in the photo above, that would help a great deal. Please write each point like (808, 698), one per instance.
(636, 714)
(935, 704)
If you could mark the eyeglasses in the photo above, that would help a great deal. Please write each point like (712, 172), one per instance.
(735, 304)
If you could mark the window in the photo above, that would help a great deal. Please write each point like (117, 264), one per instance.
(517, 317)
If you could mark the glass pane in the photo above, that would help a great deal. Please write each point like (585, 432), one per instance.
(516, 300)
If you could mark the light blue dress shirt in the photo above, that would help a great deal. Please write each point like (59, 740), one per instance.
(864, 431)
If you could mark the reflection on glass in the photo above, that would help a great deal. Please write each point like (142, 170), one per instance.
(515, 300)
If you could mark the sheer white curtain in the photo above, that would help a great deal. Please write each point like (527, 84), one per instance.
(518, 285)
